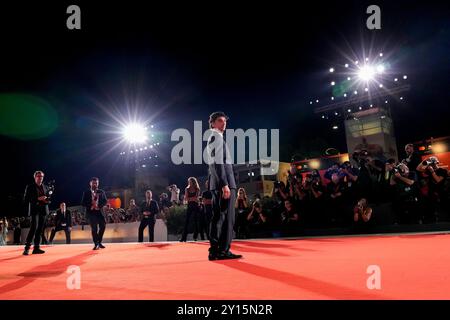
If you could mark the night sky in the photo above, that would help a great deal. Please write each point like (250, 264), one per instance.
(173, 63)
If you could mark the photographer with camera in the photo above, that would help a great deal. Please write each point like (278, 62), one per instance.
(174, 194)
(412, 159)
(290, 219)
(362, 215)
(406, 195)
(241, 206)
(257, 221)
(311, 198)
(336, 191)
(36, 198)
(436, 191)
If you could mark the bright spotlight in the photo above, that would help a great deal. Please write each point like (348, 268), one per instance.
(380, 68)
(381, 54)
(366, 73)
(331, 70)
(405, 77)
(135, 133)
(349, 78)
(396, 79)
(346, 65)
(333, 83)
(381, 85)
(335, 127)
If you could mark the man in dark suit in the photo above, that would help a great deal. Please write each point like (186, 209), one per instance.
(36, 200)
(94, 200)
(149, 210)
(63, 222)
(223, 188)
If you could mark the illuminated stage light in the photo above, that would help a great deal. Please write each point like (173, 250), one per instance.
(310, 102)
(366, 73)
(317, 101)
(366, 89)
(439, 147)
(381, 85)
(346, 65)
(331, 70)
(151, 126)
(349, 78)
(315, 164)
(381, 54)
(335, 127)
(323, 117)
(367, 59)
(333, 83)
(336, 114)
(356, 62)
(157, 143)
(332, 98)
(396, 79)
(386, 102)
(405, 77)
(401, 98)
(371, 105)
(360, 108)
(135, 133)
(345, 95)
(355, 92)
(349, 110)
(380, 68)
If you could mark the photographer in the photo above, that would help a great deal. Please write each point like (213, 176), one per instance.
(412, 159)
(257, 222)
(363, 187)
(336, 191)
(290, 219)
(405, 202)
(436, 190)
(362, 215)
(241, 206)
(294, 179)
(174, 194)
(312, 194)
(36, 200)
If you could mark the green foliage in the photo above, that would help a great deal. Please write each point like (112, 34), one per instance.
(176, 219)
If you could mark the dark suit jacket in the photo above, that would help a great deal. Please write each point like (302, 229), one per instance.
(152, 208)
(30, 199)
(60, 219)
(220, 172)
(86, 201)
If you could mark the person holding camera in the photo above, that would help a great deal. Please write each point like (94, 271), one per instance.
(63, 222)
(336, 192)
(406, 195)
(36, 199)
(241, 206)
(257, 221)
(436, 190)
(412, 159)
(362, 213)
(174, 194)
(290, 219)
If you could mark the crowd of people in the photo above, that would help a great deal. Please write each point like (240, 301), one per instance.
(347, 194)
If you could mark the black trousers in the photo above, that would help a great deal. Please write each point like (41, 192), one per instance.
(151, 229)
(98, 225)
(222, 222)
(193, 212)
(59, 228)
(207, 219)
(36, 230)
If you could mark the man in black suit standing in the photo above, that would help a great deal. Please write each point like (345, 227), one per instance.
(94, 200)
(63, 222)
(149, 210)
(36, 200)
(223, 188)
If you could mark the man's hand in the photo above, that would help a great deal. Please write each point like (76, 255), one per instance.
(42, 198)
(397, 175)
(146, 213)
(226, 192)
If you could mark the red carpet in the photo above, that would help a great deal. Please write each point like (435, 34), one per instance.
(412, 267)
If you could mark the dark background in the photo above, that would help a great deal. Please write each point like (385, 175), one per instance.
(174, 63)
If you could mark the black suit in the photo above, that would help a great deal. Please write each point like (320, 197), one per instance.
(37, 211)
(95, 216)
(221, 174)
(148, 220)
(63, 222)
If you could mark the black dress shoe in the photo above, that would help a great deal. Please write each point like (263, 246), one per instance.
(26, 252)
(212, 257)
(38, 251)
(228, 255)
(101, 246)
(182, 240)
(96, 247)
